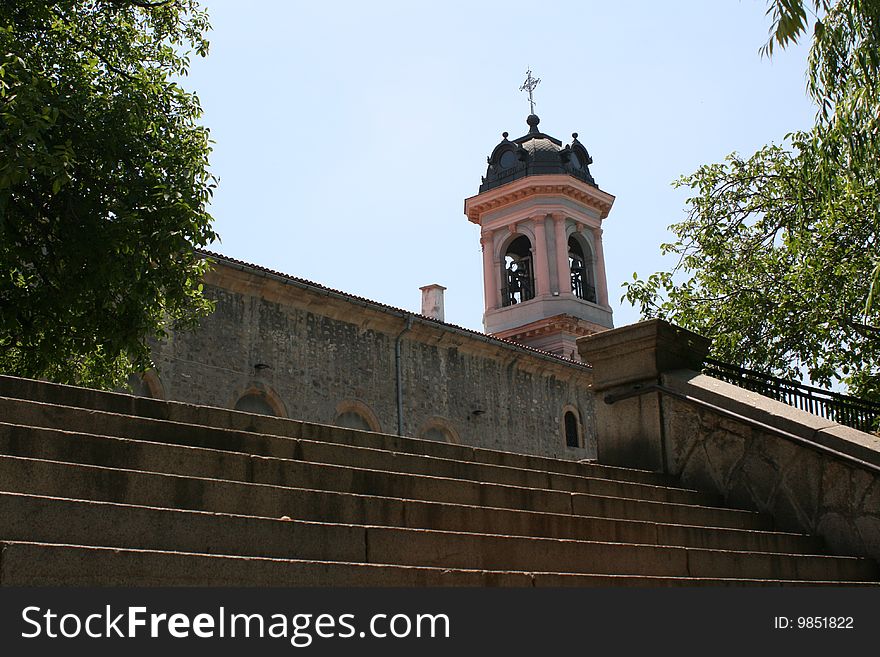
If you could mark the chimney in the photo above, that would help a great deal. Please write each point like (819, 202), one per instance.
(432, 301)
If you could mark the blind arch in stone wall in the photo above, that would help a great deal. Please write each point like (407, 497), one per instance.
(439, 429)
(354, 414)
(261, 400)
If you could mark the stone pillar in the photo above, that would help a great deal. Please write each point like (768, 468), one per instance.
(490, 272)
(562, 268)
(625, 359)
(601, 281)
(542, 269)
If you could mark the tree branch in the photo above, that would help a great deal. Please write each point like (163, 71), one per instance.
(144, 4)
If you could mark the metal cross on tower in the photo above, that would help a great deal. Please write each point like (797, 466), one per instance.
(529, 85)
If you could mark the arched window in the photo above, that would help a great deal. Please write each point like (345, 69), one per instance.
(519, 281)
(582, 284)
(572, 430)
(255, 402)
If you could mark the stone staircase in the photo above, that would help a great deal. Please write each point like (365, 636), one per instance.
(101, 488)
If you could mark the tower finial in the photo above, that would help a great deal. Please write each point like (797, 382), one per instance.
(529, 85)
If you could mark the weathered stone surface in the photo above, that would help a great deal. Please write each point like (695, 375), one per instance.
(758, 453)
(776, 450)
(851, 441)
(630, 435)
(871, 500)
(687, 427)
(307, 352)
(868, 527)
(744, 402)
(641, 352)
(761, 476)
(30, 564)
(301, 504)
(861, 485)
(837, 530)
(837, 492)
(725, 450)
(804, 488)
(786, 512)
(802, 481)
(697, 471)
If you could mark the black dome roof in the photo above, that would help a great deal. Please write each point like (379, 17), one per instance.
(536, 154)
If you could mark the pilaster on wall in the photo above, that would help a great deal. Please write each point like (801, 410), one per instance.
(563, 272)
(630, 431)
(542, 271)
(601, 282)
(490, 272)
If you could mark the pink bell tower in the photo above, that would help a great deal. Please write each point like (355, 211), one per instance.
(540, 213)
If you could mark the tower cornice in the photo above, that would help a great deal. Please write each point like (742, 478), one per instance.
(551, 185)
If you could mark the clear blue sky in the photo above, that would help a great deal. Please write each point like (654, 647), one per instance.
(349, 134)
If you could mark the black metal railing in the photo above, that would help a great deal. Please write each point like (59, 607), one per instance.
(580, 287)
(854, 412)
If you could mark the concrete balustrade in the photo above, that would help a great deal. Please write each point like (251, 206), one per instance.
(809, 473)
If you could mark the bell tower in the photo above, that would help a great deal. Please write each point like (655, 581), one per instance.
(540, 214)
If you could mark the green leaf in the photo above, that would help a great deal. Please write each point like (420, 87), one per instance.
(93, 118)
(777, 259)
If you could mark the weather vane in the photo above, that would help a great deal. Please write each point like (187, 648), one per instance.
(529, 85)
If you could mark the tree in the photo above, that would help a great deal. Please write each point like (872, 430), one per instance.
(778, 251)
(104, 184)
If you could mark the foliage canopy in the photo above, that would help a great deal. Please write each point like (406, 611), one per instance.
(778, 250)
(104, 184)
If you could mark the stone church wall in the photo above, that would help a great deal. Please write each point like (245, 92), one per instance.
(287, 347)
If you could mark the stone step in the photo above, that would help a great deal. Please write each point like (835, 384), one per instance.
(321, 441)
(57, 479)
(102, 488)
(309, 464)
(412, 514)
(218, 464)
(23, 401)
(47, 520)
(38, 564)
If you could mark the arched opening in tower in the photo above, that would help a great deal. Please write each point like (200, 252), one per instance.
(582, 283)
(519, 281)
